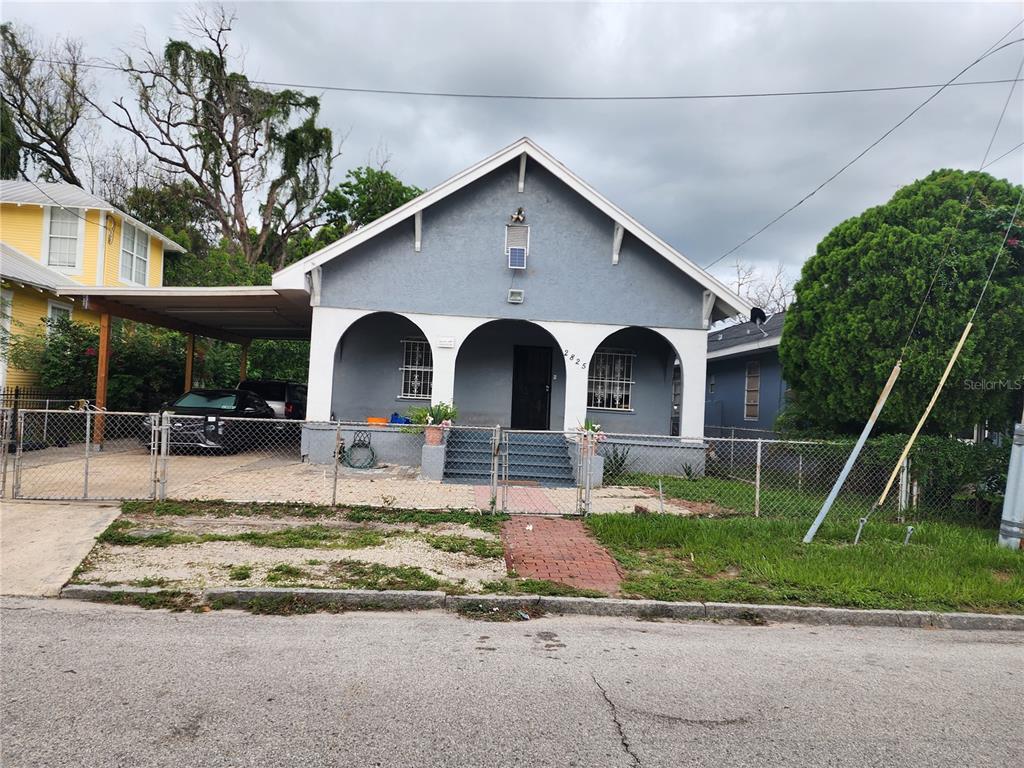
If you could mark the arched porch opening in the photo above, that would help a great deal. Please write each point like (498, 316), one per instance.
(512, 373)
(633, 383)
(382, 365)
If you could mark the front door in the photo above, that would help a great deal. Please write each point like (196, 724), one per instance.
(531, 387)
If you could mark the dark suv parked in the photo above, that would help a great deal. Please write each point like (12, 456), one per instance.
(200, 419)
(287, 398)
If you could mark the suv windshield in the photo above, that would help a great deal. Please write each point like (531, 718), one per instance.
(268, 390)
(223, 401)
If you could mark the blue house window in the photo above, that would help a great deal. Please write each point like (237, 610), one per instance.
(610, 380)
(752, 401)
(417, 369)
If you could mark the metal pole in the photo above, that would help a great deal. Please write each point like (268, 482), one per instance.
(46, 419)
(88, 439)
(337, 461)
(20, 431)
(904, 494)
(154, 455)
(165, 448)
(757, 481)
(1011, 530)
(732, 452)
(495, 451)
(852, 458)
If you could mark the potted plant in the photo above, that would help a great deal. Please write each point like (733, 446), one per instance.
(435, 419)
(591, 435)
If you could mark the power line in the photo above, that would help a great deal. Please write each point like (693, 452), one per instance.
(558, 97)
(1007, 152)
(990, 52)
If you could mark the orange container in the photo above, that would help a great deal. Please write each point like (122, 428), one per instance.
(376, 420)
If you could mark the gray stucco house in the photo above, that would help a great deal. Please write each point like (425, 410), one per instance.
(517, 292)
(745, 388)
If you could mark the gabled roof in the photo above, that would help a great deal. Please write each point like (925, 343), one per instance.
(746, 337)
(62, 195)
(728, 303)
(20, 269)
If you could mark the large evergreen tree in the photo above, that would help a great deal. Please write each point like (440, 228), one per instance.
(858, 295)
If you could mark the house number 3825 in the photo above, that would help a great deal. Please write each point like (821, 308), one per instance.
(573, 358)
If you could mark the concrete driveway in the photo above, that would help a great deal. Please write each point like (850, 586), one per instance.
(41, 542)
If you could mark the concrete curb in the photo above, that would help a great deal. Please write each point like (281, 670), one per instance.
(411, 600)
(100, 592)
(359, 599)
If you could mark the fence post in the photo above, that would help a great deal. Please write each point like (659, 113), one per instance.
(337, 461)
(1011, 529)
(591, 451)
(904, 491)
(88, 439)
(732, 452)
(757, 481)
(504, 472)
(154, 454)
(46, 418)
(19, 437)
(165, 448)
(495, 450)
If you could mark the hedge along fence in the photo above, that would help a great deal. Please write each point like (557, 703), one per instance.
(948, 477)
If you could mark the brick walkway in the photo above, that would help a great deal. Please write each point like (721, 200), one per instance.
(558, 550)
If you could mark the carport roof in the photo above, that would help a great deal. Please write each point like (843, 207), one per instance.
(232, 313)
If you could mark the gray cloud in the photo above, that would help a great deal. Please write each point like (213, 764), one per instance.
(701, 174)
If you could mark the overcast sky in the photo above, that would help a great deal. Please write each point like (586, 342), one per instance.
(701, 174)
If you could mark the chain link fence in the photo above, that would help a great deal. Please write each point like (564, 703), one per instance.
(89, 454)
(7, 444)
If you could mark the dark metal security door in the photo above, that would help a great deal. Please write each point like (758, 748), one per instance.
(531, 387)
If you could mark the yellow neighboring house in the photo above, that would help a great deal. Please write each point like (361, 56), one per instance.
(54, 235)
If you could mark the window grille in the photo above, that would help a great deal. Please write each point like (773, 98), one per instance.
(63, 246)
(610, 380)
(417, 369)
(134, 254)
(752, 401)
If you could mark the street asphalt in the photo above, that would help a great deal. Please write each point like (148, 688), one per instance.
(98, 685)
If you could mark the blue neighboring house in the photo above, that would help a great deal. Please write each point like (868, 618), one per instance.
(745, 388)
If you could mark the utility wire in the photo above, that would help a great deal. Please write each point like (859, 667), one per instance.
(1007, 152)
(992, 51)
(557, 97)
(960, 217)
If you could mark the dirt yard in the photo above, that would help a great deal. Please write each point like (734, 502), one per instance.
(183, 549)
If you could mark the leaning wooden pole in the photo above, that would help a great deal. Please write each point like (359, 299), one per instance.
(865, 433)
(924, 416)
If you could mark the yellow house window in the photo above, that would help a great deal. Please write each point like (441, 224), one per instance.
(134, 254)
(62, 251)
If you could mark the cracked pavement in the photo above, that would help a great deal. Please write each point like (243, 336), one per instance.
(98, 685)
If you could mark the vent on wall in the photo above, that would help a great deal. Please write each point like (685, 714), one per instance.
(516, 295)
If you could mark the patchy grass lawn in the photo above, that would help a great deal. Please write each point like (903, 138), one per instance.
(196, 545)
(945, 567)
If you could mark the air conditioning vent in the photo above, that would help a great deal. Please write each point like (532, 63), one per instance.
(517, 245)
(516, 295)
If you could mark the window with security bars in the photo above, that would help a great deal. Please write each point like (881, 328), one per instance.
(417, 369)
(610, 380)
(752, 399)
(517, 245)
(134, 254)
(63, 245)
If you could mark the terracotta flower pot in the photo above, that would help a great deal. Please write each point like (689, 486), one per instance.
(433, 434)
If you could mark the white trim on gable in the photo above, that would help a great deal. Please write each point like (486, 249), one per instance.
(293, 276)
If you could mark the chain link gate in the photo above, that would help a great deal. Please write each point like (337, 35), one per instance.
(545, 472)
(6, 440)
(84, 454)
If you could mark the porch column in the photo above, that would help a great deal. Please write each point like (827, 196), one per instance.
(190, 353)
(445, 334)
(243, 363)
(329, 325)
(102, 374)
(578, 342)
(691, 346)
